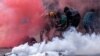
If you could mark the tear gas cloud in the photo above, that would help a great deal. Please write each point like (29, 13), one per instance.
(12, 13)
(74, 43)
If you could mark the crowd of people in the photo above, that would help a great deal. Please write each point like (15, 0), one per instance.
(62, 20)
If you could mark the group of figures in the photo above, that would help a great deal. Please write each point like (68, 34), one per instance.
(60, 21)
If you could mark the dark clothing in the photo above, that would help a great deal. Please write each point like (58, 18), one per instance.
(88, 18)
(89, 27)
(88, 21)
(73, 18)
(62, 22)
(31, 41)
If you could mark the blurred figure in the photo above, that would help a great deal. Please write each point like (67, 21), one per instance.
(45, 33)
(57, 24)
(73, 17)
(61, 23)
(31, 41)
(88, 21)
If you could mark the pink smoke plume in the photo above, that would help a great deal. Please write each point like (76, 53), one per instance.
(19, 19)
(22, 18)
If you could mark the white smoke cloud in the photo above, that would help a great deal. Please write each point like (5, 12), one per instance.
(74, 43)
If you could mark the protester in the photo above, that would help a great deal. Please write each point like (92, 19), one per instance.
(73, 17)
(88, 21)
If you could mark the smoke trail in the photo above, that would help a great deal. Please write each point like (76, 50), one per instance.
(74, 43)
